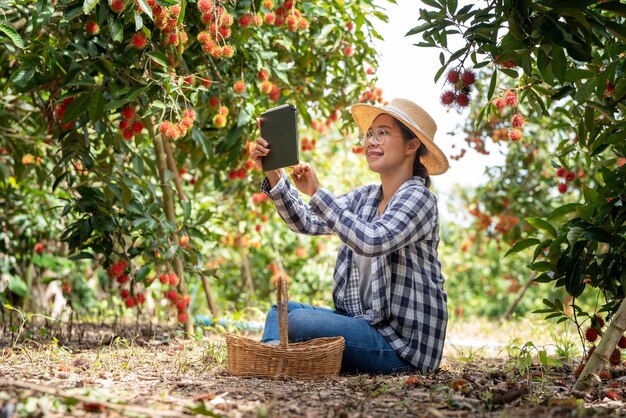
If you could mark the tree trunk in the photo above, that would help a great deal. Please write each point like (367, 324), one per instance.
(245, 269)
(171, 164)
(170, 213)
(209, 296)
(602, 353)
(509, 311)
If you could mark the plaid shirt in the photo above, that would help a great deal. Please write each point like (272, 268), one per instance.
(408, 301)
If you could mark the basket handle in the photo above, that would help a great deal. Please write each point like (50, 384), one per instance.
(283, 311)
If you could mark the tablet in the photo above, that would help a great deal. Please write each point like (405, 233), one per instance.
(279, 127)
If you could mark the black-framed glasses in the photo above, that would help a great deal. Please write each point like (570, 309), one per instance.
(377, 136)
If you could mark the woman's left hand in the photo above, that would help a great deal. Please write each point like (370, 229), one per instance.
(305, 179)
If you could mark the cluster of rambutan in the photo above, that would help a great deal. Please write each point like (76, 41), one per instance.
(237, 173)
(267, 87)
(179, 129)
(334, 115)
(567, 176)
(221, 118)
(462, 82)
(118, 273)
(318, 126)
(60, 113)
(166, 19)
(307, 144)
(239, 87)
(129, 125)
(483, 220)
(517, 120)
(287, 15)
(180, 302)
(591, 335)
(458, 156)
(259, 197)
(218, 22)
(477, 143)
(117, 6)
(373, 94)
(506, 223)
(92, 28)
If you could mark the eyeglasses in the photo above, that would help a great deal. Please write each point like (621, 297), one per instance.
(377, 136)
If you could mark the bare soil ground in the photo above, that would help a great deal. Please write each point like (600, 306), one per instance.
(149, 372)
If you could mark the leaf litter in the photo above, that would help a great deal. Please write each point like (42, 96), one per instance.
(176, 377)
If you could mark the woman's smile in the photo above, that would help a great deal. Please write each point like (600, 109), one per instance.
(373, 154)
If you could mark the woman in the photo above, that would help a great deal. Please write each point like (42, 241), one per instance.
(388, 295)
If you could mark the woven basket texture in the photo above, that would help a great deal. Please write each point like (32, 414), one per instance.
(314, 359)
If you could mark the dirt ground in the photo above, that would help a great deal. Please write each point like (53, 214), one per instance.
(110, 374)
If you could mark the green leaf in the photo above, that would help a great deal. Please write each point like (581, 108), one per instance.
(618, 29)
(418, 29)
(159, 58)
(166, 3)
(115, 28)
(540, 266)
(143, 5)
(585, 211)
(88, 6)
(22, 77)
(142, 273)
(591, 195)
(542, 225)
(17, 286)
(96, 106)
(613, 6)
(439, 73)
(562, 92)
(452, 5)
(458, 54)
(586, 90)
(492, 84)
(73, 12)
(186, 209)
(596, 233)
(78, 106)
(82, 256)
(13, 35)
(559, 63)
(138, 21)
(563, 210)
(522, 245)
(574, 234)
(574, 281)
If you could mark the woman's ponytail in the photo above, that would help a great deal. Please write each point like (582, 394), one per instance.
(419, 169)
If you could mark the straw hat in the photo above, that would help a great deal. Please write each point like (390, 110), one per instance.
(416, 119)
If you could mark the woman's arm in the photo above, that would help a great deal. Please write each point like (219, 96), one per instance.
(297, 215)
(410, 216)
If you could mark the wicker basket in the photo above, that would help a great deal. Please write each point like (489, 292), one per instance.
(313, 359)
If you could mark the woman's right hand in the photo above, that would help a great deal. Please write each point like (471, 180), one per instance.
(261, 149)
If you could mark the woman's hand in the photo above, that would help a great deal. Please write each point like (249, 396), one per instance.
(305, 179)
(261, 149)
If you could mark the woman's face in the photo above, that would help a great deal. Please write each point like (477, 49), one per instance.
(394, 149)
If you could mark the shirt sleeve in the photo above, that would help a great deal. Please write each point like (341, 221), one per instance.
(411, 216)
(297, 215)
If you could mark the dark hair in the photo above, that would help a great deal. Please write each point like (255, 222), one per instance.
(419, 169)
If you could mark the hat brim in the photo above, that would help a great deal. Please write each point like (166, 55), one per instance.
(434, 159)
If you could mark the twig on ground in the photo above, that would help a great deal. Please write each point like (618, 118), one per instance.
(91, 401)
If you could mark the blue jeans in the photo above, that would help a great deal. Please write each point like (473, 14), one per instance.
(366, 351)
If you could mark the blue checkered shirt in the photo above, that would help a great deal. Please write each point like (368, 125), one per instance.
(408, 300)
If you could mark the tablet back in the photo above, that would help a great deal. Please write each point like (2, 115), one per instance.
(279, 127)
